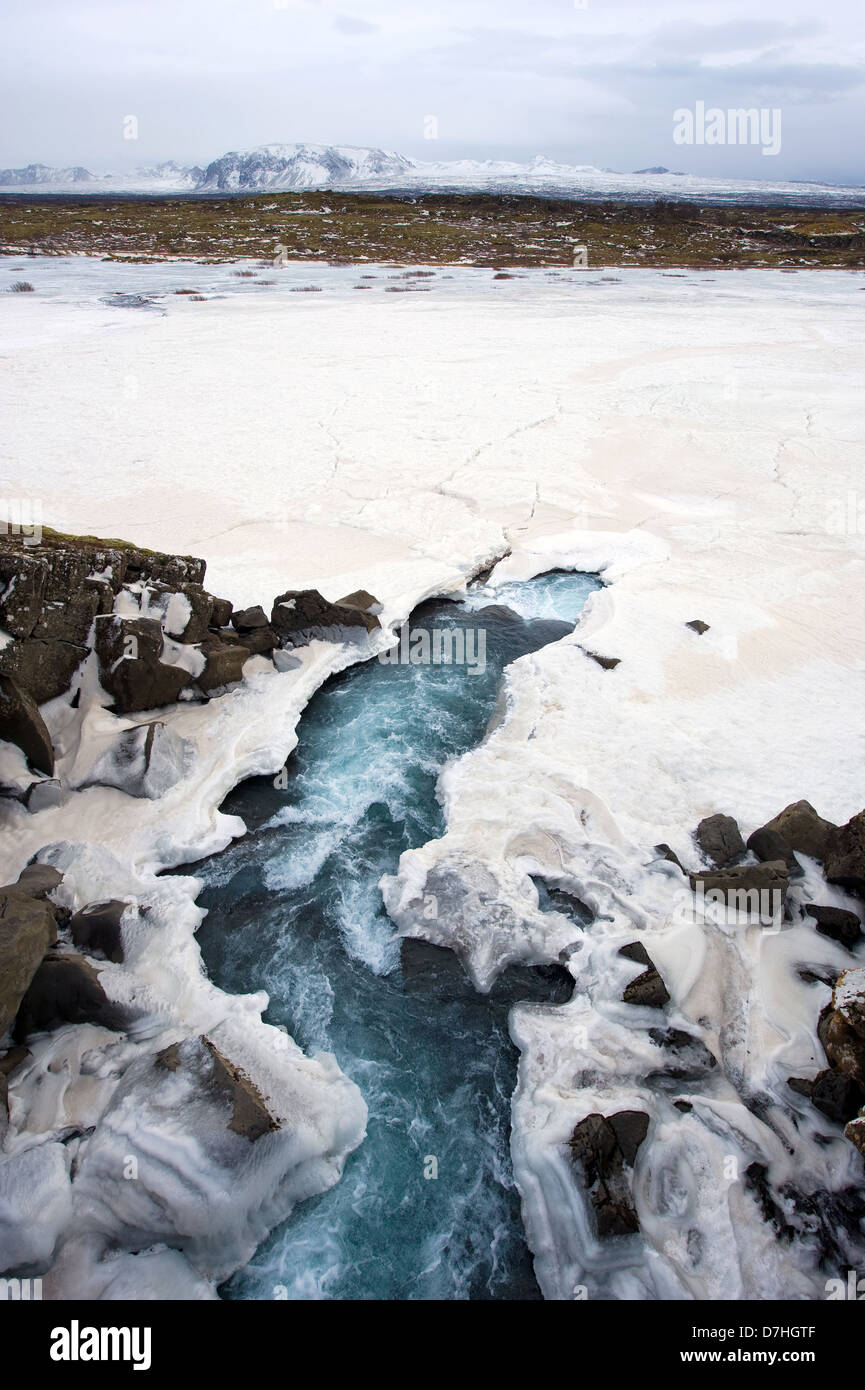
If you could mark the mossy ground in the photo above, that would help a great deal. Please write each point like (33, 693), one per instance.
(430, 229)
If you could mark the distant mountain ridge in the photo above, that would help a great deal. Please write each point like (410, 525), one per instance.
(288, 167)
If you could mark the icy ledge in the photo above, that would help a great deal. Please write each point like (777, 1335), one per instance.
(582, 772)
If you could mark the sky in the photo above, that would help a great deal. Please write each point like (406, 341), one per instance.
(595, 83)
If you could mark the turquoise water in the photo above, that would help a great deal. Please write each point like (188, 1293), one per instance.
(295, 908)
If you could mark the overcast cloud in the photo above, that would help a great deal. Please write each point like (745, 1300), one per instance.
(595, 85)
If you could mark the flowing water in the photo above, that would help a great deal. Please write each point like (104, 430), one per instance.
(427, 1207)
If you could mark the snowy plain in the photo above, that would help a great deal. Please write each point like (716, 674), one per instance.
(693, 437)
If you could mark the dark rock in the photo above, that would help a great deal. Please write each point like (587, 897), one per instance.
(66, 989)
(635, 950)
(28, 929)
(844, 855)
(227, 636)
(603, 1148)
(130, 669)
(250, 1116)
(647, 990)
(248, 618)
(300, 616)
(697, 625)
(200, 614)
(802, 829)
(42, 666)
(768, 845)
(22, 724)
(684, 1105)
(836, 1096)
(837, 923)
(224, 664)
(68, 619)
(720, 841)
(96, 929)
(845, 1050)
(608, 663)
(144, 761)
(801, 1086)
(664, 852)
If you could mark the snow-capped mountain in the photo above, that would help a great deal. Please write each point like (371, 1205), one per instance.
(302, 166)
(38, 175)
(348, 167)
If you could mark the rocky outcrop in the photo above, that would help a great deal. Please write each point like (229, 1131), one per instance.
(844, 855)
(22, 724)
(28, 929)
(720, 841)
(224, 663)
(605, 1147)
(300, 616)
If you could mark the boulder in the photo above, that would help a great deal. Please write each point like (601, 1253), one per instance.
(647, 989)
(768, 845)
(249, 1115)
(223, 664)
(66, 989)
(691, 1060)
(97, 929)
(697, 625)
(22, 724)
(130, 669)
(836, 922)
(844, 855)
(28, 930)
(36, 881)
(245, 619)
(802, 829)
(720, 841)
(837, 1096)
(145, 761)
(300, 616)
(42, 666)
(604, 1147)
